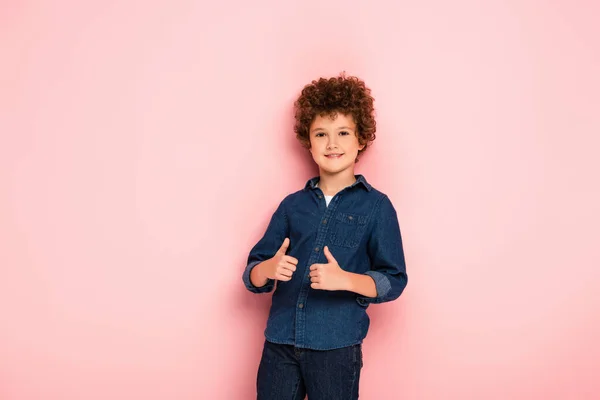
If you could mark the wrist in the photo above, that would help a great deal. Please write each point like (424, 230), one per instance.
(264, 271)
(349, 281)
(362, 284)
(258, 277)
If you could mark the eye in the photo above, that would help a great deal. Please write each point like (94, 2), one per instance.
(319, 134)
(344, 133)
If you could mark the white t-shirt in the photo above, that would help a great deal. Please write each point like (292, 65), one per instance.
(327, 198)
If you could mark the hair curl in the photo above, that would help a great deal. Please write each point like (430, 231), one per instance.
(342, 94)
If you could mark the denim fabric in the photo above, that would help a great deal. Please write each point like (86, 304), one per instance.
(361, 229)
(290, 373)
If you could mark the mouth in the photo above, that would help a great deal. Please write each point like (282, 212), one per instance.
(334, 155)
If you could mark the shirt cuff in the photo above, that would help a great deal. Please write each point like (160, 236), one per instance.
(382, 285)
(250, 286)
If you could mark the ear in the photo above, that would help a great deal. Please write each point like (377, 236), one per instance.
(360, 145)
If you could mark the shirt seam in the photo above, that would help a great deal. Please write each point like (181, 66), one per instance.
(365, 299)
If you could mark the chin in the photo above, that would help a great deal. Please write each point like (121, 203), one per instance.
(335, 170)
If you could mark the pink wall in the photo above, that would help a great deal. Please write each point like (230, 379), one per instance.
(144, 147)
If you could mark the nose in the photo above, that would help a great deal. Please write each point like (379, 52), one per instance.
(331, 141)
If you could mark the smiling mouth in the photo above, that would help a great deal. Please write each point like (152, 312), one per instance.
(334, 155)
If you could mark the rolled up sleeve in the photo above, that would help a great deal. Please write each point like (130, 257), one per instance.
(266, 248)
(388, 266)
(250, 286)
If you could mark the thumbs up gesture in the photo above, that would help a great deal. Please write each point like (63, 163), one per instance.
(328, 276)
(281, 266)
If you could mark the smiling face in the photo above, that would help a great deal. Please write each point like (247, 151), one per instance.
(334, 143)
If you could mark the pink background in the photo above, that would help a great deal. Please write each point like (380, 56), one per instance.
(145, 145)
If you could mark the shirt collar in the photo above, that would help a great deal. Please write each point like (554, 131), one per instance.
(360, 180)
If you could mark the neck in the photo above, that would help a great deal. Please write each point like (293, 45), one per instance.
(330, 184)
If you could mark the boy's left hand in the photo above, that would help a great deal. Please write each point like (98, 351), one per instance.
(328, 276)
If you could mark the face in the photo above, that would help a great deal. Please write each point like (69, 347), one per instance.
(334, 143)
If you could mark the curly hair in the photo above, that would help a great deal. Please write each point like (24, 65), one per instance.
(346, 95)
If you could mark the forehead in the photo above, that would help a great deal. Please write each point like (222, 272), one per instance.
(334, 121)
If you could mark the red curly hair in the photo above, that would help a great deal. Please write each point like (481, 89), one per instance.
(342, 94)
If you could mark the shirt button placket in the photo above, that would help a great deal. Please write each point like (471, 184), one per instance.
(319, 243)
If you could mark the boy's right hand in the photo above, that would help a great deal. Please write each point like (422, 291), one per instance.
(281, 266)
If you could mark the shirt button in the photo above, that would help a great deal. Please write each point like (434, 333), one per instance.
(320, 196)
(324, 221)
(317, 249)
(300, 305)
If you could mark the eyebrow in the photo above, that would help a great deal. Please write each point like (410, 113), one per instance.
(341, 127)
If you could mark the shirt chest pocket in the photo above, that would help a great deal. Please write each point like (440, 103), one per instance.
(347, 230)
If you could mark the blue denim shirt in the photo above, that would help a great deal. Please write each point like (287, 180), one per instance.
(360, 228)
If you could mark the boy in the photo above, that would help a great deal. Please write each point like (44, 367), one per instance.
(333, 248)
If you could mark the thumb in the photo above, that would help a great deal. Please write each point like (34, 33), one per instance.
(328, 255)
(284, 246)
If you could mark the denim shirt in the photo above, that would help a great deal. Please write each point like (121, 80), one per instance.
(361, 230)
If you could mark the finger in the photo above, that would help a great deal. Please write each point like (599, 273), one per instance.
(284, 246)
(314, 267)
(328, 255)
(285, 272)
(315, 286)
(289, 267)
(315, 279)
(291, 260)
(281, 277)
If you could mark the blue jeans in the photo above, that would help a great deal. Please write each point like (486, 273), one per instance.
(290, 373)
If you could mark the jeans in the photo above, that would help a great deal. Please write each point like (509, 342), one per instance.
(290, 373)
